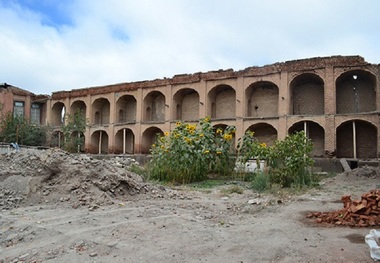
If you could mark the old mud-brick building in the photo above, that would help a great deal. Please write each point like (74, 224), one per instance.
(335, 100)
(23, 103)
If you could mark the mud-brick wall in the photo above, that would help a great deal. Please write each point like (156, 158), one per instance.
(308, 99)
(190, 107)
(264, 102)
(226, 104)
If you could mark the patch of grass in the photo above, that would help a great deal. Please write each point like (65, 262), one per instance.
(261, 182)
(140, 170)
(232, 189)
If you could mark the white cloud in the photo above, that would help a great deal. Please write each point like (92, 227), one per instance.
(120, 41)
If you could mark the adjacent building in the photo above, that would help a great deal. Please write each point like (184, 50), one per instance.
(23, 103)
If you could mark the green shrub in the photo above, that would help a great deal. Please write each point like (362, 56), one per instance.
(21, 130)
(191, 151)
(261, 182)
(288, 161)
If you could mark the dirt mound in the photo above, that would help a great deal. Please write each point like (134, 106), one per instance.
(45, 176)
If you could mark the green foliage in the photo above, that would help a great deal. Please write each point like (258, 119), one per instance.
(249, 147)
(261, 182)
(289, 161)
(19, 129)
(191, 151)
(75, 126)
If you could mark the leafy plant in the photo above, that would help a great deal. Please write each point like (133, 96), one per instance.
(289, 161)
(75, 126)
(19, 129)
(261, 182)
(190, 152)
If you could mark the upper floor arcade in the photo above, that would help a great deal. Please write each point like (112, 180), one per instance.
(336, 85)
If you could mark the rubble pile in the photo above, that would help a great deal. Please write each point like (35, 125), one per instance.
(355, 213)
(53, 175)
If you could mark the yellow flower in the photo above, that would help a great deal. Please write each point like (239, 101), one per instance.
(162, 147)
(227, 137)
(218, 152)
(167, 133)
(153, 145)
(206, 152)
(219, 130)
(178, 123)
(264, 145)
(190, 127)
(207, 119)
(201, 135)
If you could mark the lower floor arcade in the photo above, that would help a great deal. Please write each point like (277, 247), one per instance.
(333, 136)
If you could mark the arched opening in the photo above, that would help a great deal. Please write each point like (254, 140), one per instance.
(79, 105)
(57, 139)
(314, 132)
(126, 109)
(222, 100)
(99, 142)
(101, 109)
(124, 142)
(262, 100)
(149, 137)
(154, 105)
(355, 92)
(356, 139)
(307, 95)
(187, 105)
(265, 133)
(58, 112)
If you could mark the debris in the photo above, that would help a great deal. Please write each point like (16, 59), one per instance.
(355, 213)
(31, 176)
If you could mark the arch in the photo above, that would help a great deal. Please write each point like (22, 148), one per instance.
(314, 132)
(149, 137)
(355, 92)
(57, 139)
(126, 109)
(261, 100)
(101, 110)
(58, 112)
(186, 103)
(222, 101)
(264, 132)
(362, 145)
(154, 107)
(99, 142)
(78, 105)
(124, 141)
(307, 95)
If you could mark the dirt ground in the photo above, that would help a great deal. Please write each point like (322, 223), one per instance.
(45, 218)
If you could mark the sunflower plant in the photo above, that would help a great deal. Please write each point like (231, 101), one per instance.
(191, 151)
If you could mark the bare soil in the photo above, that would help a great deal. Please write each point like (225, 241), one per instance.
(58, 207)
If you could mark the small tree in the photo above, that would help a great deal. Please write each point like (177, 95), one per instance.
(75, 126)
(19, 129)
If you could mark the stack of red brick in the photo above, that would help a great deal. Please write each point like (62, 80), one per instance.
(363, 213)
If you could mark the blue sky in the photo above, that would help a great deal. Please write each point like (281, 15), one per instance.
(54, 45)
